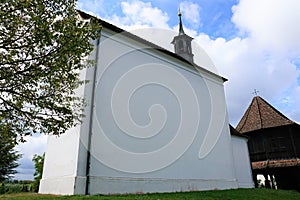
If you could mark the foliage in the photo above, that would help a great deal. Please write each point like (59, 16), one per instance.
(245, 194)
(8, 155)
(16, 187)
(38, 165)
(42, 46)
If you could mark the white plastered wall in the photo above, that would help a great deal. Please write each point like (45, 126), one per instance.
(207, 163)
(242, 163)
(66, 155)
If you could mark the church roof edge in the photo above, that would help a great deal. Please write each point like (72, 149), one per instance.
(116, 29)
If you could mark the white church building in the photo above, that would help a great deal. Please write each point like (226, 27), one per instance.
(155, 122)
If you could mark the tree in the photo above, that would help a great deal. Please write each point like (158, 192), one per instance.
(38, 165)
(42, 46)
(8, 156)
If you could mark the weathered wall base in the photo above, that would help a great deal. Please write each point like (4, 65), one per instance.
(106, 185)
(63, 185)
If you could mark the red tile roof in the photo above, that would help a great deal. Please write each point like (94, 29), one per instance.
(260, 114)
(276, 163)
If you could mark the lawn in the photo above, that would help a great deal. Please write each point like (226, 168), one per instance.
(250, 194)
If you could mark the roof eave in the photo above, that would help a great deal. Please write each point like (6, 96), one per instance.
(146, 42)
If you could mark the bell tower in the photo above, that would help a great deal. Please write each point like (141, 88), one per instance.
(182, 43)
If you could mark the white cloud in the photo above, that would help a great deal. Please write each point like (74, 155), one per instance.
(138, 14)
(274, 24)
(35, 144)
(263, 59)
(191, 13)
(295, 113)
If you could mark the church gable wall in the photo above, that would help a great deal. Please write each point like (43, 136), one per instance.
(172, 115)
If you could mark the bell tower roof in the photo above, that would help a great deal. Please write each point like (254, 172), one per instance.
(181, 31)
(182, 42)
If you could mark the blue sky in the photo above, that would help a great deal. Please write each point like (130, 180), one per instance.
(215, 15)
(253, 43)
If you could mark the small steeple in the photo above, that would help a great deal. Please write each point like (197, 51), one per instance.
(182, 43)
(181, 31)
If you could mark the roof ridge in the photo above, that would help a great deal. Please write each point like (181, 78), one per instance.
(259, 112)
(276, 110)
(246, 117)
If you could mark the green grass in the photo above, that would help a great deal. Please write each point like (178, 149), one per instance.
(247, 194)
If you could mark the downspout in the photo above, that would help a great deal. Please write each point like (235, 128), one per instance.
(88, 162)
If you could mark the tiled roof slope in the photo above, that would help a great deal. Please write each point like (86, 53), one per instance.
(260, 114)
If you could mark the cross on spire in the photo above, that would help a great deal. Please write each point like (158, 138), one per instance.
(255, 92)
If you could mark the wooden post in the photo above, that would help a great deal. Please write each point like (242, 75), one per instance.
(255, 180)
(267, 182)
(272, 182)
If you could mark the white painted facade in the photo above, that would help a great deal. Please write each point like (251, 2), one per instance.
(153, 123)
(242, 164)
